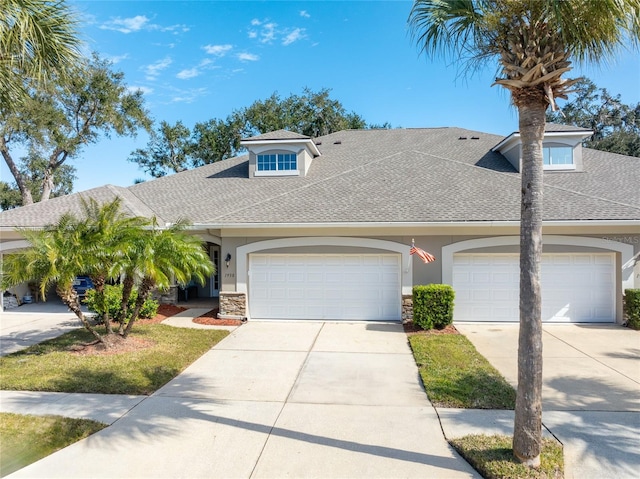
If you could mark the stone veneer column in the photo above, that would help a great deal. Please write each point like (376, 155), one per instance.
(407, 308)
(233, 304)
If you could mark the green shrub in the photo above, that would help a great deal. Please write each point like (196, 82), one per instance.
(433, 305)
(632, 308)
(113, 300)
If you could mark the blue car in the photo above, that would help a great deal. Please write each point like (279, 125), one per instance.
(82, 284)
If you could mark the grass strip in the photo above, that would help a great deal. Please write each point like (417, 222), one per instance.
(53, 366)
(492, 456)
(26, 439)
(456, 375)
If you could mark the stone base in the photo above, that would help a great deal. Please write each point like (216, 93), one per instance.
(233, 304)
(407, 309)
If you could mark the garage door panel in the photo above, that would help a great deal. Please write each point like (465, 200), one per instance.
(576, 287)
(357, 287)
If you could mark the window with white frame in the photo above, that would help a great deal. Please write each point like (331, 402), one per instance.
(277, 162)
(558, 157)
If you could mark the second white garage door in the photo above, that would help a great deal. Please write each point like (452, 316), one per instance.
(325, 286)
(576, 287)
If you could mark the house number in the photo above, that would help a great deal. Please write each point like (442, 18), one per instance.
(229, 275)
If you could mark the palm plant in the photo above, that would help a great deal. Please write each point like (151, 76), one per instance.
(108, 236)
(533, 42)
(38, 40)
(55, 257)
(161, 257)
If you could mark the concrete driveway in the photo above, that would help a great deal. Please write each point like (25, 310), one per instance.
(591, 390)
(273, 400)
(33, 323)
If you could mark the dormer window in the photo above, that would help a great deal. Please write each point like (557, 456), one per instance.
(558, 158)
(280, 162)
(561, 148)
(280, 153)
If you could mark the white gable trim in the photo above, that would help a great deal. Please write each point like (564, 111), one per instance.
(242, 254)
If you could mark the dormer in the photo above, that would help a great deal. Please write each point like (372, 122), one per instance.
(280, 153)
(561, 147)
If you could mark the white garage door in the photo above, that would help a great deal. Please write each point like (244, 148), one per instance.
(577, 287)
(325, 286)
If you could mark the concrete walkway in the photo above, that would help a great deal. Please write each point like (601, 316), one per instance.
(272, 400)
(591, 394)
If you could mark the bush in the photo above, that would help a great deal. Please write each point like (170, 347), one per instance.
(113, 299)
(632, 308)
(433, 305)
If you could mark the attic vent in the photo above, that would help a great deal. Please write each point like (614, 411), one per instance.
(462, 138)
(337, 142)
(318, 143)
(475, 137)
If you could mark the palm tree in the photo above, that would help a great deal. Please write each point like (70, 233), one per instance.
(533, 42)
(108, 235)
(56, 256)
(160, 258)
(38, 40)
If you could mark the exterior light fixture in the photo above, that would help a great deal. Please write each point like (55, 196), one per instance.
(227, 260)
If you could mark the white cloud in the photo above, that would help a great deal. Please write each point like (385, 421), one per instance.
(188, 96)
(126, 25)
(218, 50)
(140, 22)
(180, 27)
(189, 73)
(268, 33)
(154, 69)
(248, 57)
(253, 34)
(305, 14)
(145, 90)
(255, 22)
(117, 58)
(294, 36)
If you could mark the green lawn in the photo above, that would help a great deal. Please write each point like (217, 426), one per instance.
(456, 375)
(52, 366)
(25, 439)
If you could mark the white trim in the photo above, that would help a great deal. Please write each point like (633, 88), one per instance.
(626, 251)
(242, 254)
(435, 224)
(11, 245)
(276, 173)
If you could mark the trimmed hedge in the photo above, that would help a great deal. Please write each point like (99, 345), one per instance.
(433, 305)
(632, 308)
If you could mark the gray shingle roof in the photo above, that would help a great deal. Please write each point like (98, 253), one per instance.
(394, 176)
(48, 212)
(556, 127)
(278, 135)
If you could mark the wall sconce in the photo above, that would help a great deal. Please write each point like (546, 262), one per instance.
(227, 260)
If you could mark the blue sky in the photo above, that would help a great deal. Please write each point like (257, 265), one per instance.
(197, 60)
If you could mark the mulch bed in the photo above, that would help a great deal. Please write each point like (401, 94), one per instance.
(211, 319)
(411, 328)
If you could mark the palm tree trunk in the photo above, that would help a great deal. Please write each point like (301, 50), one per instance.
(98, 283)
(70, 298)
(143, 293)
(527, 436)
(127, 288)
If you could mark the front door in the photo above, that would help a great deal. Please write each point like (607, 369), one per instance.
(214, 253)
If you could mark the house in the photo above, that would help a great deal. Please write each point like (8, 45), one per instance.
(320, 228)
